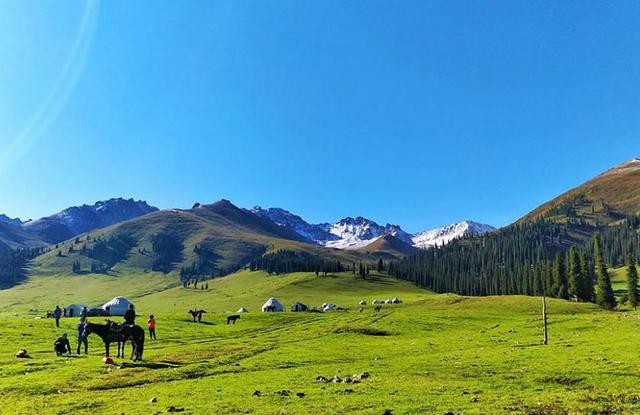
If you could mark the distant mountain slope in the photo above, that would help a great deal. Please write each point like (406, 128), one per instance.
(606, 198)
(443, 235)
(13, 237)
(79, 219)
(388, 246)
(11, 221)
(359, 232)
(315, 233)
(207, 240)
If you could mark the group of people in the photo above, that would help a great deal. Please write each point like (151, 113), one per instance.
(62, 345)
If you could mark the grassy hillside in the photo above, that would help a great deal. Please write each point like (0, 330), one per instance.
(431, 354)
(218, 238)
(389, 247)
(603, 199)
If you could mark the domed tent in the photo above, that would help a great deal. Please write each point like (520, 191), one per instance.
(272, 305)
(242, 310)
(299, 307)
(117, 307)
(328, 307)
(362, 302)
(74, 310)
(396, 300)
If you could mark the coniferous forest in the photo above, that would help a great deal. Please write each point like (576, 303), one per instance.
(533, 258)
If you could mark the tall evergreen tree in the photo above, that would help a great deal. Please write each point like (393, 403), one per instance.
(586, 289)
(633, 293)
(560, 288)
(604, 292)
(575, 273)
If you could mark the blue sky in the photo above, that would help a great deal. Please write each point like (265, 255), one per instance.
(417, 113)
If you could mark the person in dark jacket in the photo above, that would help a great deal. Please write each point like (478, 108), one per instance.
(82, 339)
(61, 345)
(130, 316)
(57, 313)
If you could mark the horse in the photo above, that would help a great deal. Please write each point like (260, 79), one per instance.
(109, 333)
(232, 319)
(196, 314)
(378, 308)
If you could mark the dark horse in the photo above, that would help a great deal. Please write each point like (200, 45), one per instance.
(232, 319)
(196, 314)
(112, 332)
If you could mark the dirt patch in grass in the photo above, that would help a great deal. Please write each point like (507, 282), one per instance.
(561, 380)
(366, 331)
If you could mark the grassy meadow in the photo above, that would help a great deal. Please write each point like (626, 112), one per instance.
(433, 354)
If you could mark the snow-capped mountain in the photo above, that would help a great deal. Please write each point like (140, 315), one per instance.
(314, 233)
(359, 232)
(79, 219)
(354, 233)
(11, 221)
(447, 233)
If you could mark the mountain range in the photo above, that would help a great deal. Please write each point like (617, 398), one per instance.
(359, 232)
(213, 239)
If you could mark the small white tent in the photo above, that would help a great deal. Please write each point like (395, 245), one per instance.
(329, 307)
(374, 302)
(117, 307)
(74, 310)
(299, 307)
(396, 300)
(362, 302)
(242, 310)
(272, 305)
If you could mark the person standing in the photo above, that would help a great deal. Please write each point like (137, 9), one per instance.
(84, 312)
(57, 313)
(152, 327)
(130, 316)
(81, 338)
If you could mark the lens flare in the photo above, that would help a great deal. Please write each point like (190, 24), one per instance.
(54, 103)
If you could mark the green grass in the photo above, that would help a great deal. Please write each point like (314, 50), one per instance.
(430, 355)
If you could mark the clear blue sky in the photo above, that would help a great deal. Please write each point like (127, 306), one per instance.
(419, 113)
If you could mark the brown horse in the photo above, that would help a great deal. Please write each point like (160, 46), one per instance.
(111, 332)
(196, 314)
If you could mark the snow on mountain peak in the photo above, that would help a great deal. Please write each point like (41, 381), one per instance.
(445, 234)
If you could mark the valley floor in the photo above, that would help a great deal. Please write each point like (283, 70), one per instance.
(433, 354)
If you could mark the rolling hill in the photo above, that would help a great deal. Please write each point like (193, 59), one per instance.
(205, 241)
(605, 199)
(389, 247)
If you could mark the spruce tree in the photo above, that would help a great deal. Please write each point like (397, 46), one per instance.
(604, 292)
(575, 273)
(586, 289)
(633, 293)
(560, 289)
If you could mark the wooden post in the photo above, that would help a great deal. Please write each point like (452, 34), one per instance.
(544, 320)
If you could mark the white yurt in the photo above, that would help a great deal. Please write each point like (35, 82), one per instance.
(117, 307)
(396, 300)
(329, 307)
(387, 301)
(297, 306)
(374, 302)
(242, 310)
(74, 310)
(362, 302)
(272, 305)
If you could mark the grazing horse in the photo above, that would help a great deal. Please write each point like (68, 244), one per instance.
(196, 314)
(111, 332)
(378, 308)
(232, 319)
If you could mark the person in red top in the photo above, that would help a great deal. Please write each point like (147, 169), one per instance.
(152, 327)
